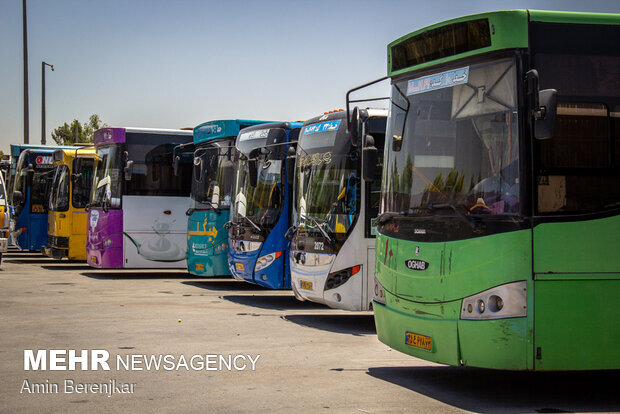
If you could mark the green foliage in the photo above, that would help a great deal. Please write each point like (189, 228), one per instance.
(441, 189)
(66, 134)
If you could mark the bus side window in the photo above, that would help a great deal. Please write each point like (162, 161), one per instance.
(578, 172)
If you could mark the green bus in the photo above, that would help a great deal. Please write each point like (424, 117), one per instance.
(498, 242)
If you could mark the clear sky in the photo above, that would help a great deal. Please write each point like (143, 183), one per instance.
(177, 63)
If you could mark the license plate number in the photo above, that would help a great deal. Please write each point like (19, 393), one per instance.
(240, 267)
(93, 259)
(306, 285)
(417, 340)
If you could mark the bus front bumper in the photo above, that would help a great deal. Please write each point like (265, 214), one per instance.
(435, 332)
(426, 331)
(208, 265)
(308, 283)
(55, 253)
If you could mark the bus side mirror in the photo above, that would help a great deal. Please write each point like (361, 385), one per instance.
(543, 106)
(28, 173)
(128, 170)
(544, 115)
(354, 125)
(253, 174)
(175, 165)
(18, 197)
(291, 155)
(252, 166)
(77, 165)
(197, 169)
(369, 159)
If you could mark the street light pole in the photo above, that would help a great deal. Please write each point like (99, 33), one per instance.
(43, 64)
(25, 50)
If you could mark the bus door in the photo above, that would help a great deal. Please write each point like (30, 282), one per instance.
(576, 241)
(376, 128)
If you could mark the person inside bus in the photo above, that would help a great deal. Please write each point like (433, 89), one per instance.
(346, 202)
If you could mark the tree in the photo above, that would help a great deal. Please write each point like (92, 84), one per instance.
(66, 134)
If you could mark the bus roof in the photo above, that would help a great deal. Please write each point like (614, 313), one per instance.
(285, 125)
(17, 149)
(211, 130)
(476, 34)
(66, 155)
(117, 134)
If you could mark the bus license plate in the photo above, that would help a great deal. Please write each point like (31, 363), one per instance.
(418, 340)
(240, 267)
(306, 285)
(93, 259)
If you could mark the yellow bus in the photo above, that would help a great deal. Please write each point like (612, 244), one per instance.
(69, 197)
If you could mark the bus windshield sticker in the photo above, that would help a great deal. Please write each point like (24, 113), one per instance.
(322, 127)
(43, 160)
(315, 159)
(441, 80)
(256, 134)
(210, 129)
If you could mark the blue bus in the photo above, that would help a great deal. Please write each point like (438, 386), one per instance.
(261, 209)
(212, 183)
(34, 171)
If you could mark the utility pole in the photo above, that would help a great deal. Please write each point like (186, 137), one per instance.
(43, 64)
(26, 119)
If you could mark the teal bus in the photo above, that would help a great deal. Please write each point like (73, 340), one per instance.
(211, 195)
(498, 234)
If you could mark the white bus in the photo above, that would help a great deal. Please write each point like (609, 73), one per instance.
(338, 179)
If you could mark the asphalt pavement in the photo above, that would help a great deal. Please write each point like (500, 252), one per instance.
(307, 358)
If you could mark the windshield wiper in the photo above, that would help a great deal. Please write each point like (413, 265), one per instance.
(385, 217)
(209, 207)
(318, 226)
(252, 223)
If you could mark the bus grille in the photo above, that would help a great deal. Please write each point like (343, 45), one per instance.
(58, 242)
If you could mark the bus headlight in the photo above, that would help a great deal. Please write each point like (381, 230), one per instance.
(266, 260)
(340, 278)
(505, 301)
(378, 294)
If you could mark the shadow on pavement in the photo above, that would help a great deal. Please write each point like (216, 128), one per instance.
(224, 285)
(121, 274)
(273, 302)
(344, 324)
(66, 266)
(34, 260)
(482, 390)
(22, 255)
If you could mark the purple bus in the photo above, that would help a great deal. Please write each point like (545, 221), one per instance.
(136, 216)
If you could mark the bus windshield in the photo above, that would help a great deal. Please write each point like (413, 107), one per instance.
(328, 182)
(212, 187)
(452, 140)
(59, 195)
(41, 180)
(106, 189)
(261, 204)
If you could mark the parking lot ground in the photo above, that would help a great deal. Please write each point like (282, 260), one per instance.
(312, 358)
